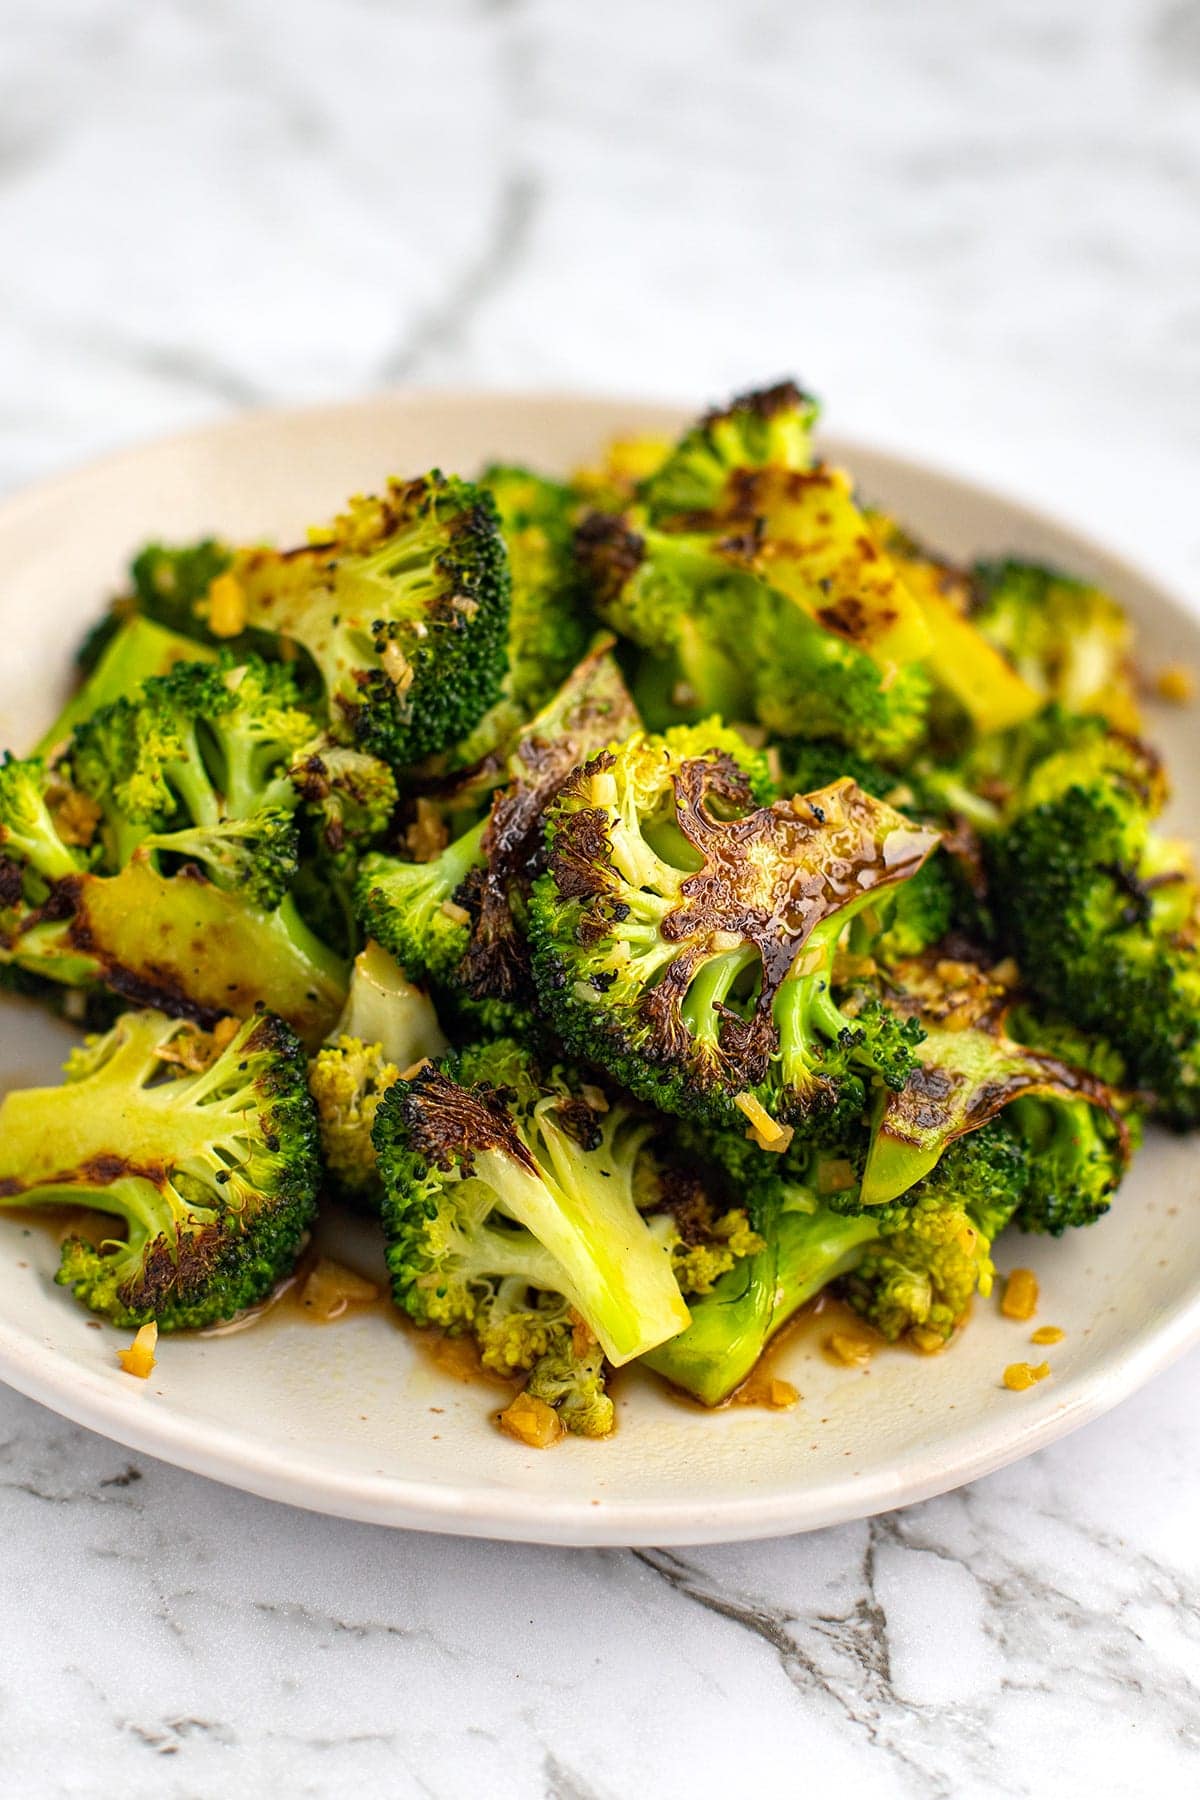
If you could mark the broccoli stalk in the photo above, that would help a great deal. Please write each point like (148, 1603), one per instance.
(492, 1171)
(137, 650)
(213, 1172)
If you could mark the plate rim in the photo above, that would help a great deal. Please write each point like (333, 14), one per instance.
(88, 1398)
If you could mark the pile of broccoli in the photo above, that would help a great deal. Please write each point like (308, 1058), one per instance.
(658, 897)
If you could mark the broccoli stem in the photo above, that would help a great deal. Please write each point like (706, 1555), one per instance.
(580, 1206)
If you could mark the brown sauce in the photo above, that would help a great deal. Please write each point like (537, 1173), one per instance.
(808, 1333)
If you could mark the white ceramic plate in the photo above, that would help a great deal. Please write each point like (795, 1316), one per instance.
(352, 1418)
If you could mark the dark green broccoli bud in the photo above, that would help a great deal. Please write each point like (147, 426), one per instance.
(969, 1068)
(771, 427)
(171, 584)
(1101, 911)
(493, 1169)
(1069, 641)
(457, 919)
(1078, 1156)
(684, 937)
(402, 605)
(136, 650)
(349, 795)
(548, 627)
(207, 1155)
(904, 1268)
(797, 636)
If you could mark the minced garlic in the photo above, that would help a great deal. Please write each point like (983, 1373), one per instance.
(1020, 1295)
(1022, 1375)
(226, 606)
(531, 1421)
(852, 1352)
(138, 1359)
(767, 1132)
(1048, 1334)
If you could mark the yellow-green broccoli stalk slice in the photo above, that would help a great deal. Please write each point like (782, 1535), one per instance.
(403, 606)
(212, 1169)
(493, 1169)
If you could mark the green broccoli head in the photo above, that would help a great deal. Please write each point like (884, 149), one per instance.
(548, 626)
(193, 767)
(403, 606)
(684, 936)
(1070, 641)
(769, 427)
(171, 583)
(1101, 911)
(207, 1155)
(495, 1169)
(788, 634)
(348, 794)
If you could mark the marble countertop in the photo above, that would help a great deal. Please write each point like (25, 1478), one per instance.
(974, 230)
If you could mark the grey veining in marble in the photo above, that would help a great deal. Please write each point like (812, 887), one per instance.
(976, 228)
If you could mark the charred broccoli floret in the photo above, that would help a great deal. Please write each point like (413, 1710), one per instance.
(207, 1155)
(403, 606)
(910, 1268)
(769, 427)
(968, 1069)
(809, 636)
(457, 918)
(684, 936)
(496, 1171)
(100, 883)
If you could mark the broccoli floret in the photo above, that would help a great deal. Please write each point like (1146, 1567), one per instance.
(797, 637)
(771, 426)
(212, 1168)
(569, 1376)
(457, 918)
(347, 1080)
(403, 606)
(386, 1028)
(902, 1267)
(684, 937)
(191, 946)
(1101, 911)
(193, 767)
(548, 628)
(1070, 642)
(137, 650)
(494, 1169)
(350, 796)
(171, 584)
(969, 1068)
